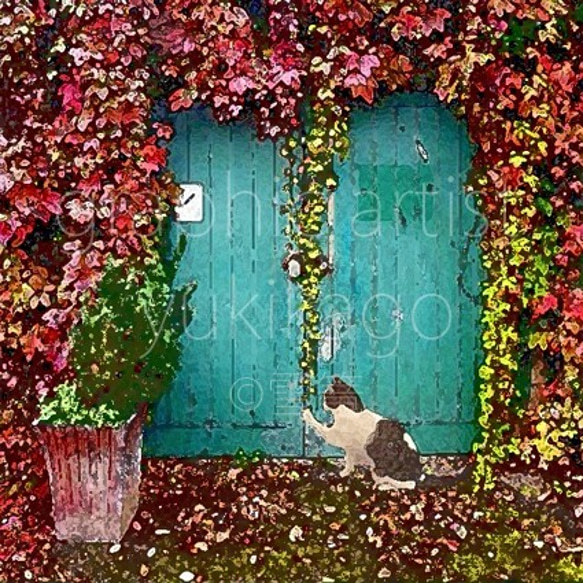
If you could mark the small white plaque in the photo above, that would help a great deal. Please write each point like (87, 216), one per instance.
(191, 204)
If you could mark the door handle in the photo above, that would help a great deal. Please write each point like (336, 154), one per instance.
(332, 337)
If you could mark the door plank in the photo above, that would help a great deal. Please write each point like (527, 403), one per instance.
(264, 254)
(448, 249)
(428, 315)
(409, 359)
(197, 265)
(224, 412)
(244, 336)
(386, 297)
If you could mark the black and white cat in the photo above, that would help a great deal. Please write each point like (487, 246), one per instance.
(368, 439)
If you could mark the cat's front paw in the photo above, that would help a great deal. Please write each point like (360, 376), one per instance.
(307, 416)
(345, 472)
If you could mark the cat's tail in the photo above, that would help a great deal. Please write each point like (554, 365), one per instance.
(437, 482)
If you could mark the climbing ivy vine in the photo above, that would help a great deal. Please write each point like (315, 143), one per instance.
(314, 180)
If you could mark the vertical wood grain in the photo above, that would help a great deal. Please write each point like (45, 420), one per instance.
(198, 358)
(387, 264)
(222, 246)
(448, 250)
(265, 272)
(245, 392)
(410, 360)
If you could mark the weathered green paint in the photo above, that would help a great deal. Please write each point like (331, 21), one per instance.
(238, 386)
(406, 273)
(403, 299)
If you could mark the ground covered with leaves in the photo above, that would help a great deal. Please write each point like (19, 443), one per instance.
(283, 521)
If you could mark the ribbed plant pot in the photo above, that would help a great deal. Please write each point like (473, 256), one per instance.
(95, 478)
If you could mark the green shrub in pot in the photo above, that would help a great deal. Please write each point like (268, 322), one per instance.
(125, 352)
(126, 349)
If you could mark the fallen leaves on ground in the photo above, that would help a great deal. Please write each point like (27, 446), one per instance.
(298, 520)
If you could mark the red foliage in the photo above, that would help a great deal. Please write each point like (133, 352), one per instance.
(25, 528)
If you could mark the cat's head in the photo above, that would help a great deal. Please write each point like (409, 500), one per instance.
(339, 393)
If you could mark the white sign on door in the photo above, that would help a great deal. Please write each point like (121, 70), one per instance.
(190, 207)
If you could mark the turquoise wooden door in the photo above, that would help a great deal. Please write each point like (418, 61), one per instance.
(400, 313)
(402, 309)
(238, 386)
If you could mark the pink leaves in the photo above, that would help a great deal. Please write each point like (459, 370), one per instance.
(435, 20)
(574, 243)
(406, 25)
(6, 180)
(31, 342)
(80, 55)
(365, 63)
(153, 158)
(163, 131)
(574, 305)
(7, 229)
(287, 77)
(501, 7)
(180, 99)
(240, 85)
(572, 247)
(236, 16)
(360, 79)
(82, 271)
(29, 203)
(81, 212)
(71, 94)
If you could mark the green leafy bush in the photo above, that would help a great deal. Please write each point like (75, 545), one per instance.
(126, 349)
(66, 408)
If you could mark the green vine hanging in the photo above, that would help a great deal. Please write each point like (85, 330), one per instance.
(310, 181)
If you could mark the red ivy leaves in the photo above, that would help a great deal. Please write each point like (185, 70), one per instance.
(181, 99)
(406, 24)
(435, 20)
(37, 202)
(549, 302)
(153, 158)
(13, 232)
(416, 21)
(574, 305)
(71, 94)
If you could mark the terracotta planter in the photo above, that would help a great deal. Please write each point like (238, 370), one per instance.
(95, 478)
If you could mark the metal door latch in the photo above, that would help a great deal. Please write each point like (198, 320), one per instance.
(332, 337)
(190, 207)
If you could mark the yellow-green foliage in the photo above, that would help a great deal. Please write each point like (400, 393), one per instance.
(66, 408)
(500, 552)
(306, 211)
(557, 421)
(570, 569)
